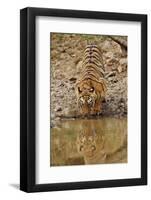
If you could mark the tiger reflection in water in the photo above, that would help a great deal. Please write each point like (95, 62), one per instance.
(95, 147)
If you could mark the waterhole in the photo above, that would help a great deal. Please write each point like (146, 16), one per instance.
(87, 141)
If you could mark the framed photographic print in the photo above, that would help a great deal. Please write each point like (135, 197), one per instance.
(83, 99)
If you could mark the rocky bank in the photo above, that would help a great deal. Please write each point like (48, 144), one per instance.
(66, 55)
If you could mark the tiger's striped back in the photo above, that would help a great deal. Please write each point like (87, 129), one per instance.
(92, 64)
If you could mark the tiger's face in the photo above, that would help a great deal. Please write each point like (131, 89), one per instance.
(89, 96)
(86, 97)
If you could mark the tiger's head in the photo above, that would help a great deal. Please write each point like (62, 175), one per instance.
(89, 93)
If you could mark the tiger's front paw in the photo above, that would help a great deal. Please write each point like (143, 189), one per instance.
(96, 112)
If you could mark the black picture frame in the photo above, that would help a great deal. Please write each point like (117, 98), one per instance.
(28, 99)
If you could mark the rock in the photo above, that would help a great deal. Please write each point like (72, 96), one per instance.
(110, 74)
(113, 79)
(123, 64)
(109, 55)
(106, 46)
(119, 69)
(79, 67)
(59, 109)
(73, 79)
(122, 100)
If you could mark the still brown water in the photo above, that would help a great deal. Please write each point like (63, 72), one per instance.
(80, 142)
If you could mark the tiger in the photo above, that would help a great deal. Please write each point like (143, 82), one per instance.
(91, 85)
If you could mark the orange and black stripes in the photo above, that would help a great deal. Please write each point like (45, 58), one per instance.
(92, 64)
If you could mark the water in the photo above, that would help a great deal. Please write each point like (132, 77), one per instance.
(80, 142)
